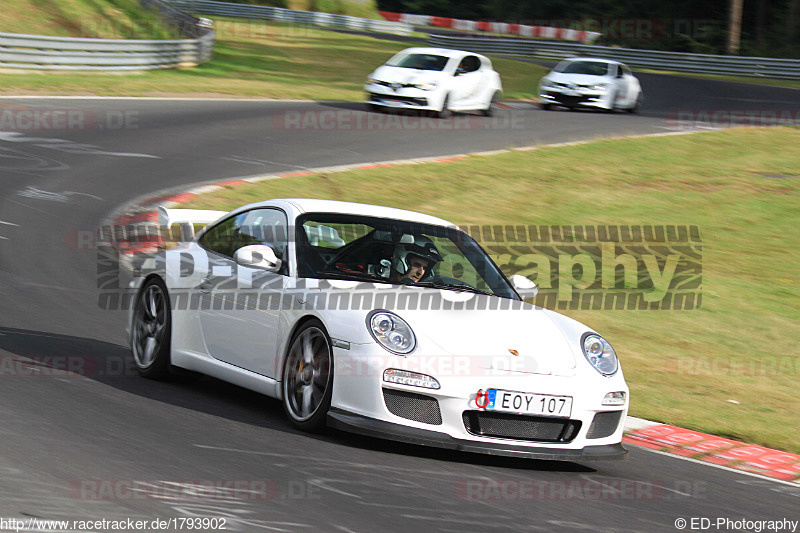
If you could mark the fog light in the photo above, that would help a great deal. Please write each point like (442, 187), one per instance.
(614, 398)
(404, 377)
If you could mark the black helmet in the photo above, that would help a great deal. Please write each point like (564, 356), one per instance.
(421, 247)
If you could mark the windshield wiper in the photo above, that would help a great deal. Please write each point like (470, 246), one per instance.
(451, 286)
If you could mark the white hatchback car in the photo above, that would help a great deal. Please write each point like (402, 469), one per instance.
(378, 321)
(435, 79)
(591, 83)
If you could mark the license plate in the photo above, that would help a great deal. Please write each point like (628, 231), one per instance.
(529, 404)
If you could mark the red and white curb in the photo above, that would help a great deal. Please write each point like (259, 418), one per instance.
(713, 450)
(523, 30)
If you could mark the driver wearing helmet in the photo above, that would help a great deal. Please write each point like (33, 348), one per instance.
(413, 263)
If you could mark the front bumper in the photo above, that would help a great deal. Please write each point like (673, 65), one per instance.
(404, 98)
(354, 423)
(574, 98)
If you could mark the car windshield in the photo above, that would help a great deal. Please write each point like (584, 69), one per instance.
(592, 68)
(359, 248)
(420, 62)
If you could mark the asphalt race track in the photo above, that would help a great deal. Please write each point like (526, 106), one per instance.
(102, 443)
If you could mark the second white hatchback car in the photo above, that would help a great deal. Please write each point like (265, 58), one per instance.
(591, 83)
(435, 79)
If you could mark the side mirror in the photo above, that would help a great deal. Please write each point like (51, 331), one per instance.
(525, 287)
(260, 256)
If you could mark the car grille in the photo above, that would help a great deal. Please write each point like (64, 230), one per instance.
(520, 427)
(604, 424)
(569, 85)
(391, 85)
(374, 97)
(571, 100)
(417, 407)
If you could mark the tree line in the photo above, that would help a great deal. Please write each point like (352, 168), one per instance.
(768, 27)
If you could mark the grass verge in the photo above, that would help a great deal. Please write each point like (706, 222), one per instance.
(261, 59)
(728, 368)
(108, 19)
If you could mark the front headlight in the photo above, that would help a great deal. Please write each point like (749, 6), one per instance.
(599, 353)
(599, 87)
(426, 86)
(370, 79)
(546, 83)
(391, 332)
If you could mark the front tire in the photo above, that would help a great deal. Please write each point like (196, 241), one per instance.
(308, 377)
(445, 111)
(151, 331)
(612, 103)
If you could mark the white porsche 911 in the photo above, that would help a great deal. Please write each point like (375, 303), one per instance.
(435, 79)
(591, 83)
(377, 321)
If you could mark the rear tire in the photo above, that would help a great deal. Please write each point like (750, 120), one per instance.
(493, 107)
(546, 107)
(637, 106)
(308, 377)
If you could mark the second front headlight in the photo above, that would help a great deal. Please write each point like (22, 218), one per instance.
(599, 353)
(430, 86)
(391, 332)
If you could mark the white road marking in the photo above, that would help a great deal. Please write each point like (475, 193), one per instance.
(721, 467)
(33, 192)
(65, 146)
(8, 223)
(254, 161)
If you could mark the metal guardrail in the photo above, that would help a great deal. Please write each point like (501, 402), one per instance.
(313, 18)
(69, 53)
(757, 67)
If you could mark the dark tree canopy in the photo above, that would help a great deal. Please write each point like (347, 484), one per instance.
(769, 27)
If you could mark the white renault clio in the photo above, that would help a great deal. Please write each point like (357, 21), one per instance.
(435, 79)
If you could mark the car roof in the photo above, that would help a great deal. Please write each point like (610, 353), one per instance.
(447, 52)
(314, 205)
(594, 60)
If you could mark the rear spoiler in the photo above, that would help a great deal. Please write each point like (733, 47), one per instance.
(187, 219)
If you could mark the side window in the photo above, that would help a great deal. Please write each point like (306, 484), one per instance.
(220, 238)
(472, 63)
(265, 226)
(468, 64)
(258, 226)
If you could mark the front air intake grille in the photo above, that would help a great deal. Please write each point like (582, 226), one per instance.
(604, 424)
(374, 97)
(417, 407)
(520, 427)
